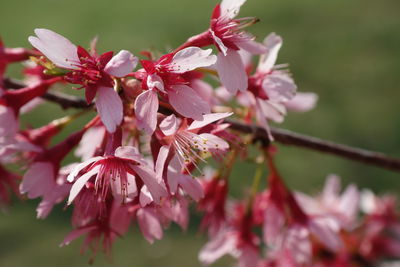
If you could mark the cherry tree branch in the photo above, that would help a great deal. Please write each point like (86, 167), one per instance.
(282, 136)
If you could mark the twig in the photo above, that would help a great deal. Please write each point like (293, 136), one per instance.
(281, 135)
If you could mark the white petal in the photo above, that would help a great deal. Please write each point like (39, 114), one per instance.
(187, 102)
(169, 125)
(80, 183)
(121, 64)
(56, 48)
(191, 58)
(230, 8)
(146, 106)
(231, 71)
(273, 43)
(209, 118)
(109, 106)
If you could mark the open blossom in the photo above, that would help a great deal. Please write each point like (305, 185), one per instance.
(187, 142)
(164, 77)
(124, 173)
(95, 73)
(342, 208)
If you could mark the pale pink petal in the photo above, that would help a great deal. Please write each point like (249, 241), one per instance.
(297, 241)
(191, 58)
(80, 183)
(90, 142)
(121, 64)
(145, 197)
(261, 118)
(146, 106)
(131, 190)
(174, 171)
(368, 201)
(39, 180)
(8, 122)
(273, 43)
(220, 45)
(148, 176)
(170, 125)
(155, 81)
(349, 202)
(204, 90)
(279, 87)
(302, 102)
(273, 223)
(326, 230)
(246, 98)
(230, 8)
(149, 224)
(191, 186)
(120, 218)
(207, 119)
(249, 256)
(272, 111)
(160, 163)
(212, 143)
(180, 212)
(231, 71)
(75, 234)
(75, 171)
(129, 152)
(252, 46)
(109, 107)
(187, 102)
(57, 194)
(56, 48)
(222, 244)
(331, 189)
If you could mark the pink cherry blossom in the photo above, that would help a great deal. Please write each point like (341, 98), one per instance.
(120, 173)
(95, 73)
(165, 77)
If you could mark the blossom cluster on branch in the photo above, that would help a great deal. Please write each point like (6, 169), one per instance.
(158, 121)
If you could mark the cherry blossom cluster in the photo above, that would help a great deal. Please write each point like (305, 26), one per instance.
(158, 122)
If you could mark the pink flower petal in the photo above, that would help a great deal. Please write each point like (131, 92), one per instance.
(302, 102)
(109, 107)
(145, 197)
(230, 8)
(169, 125)
(324, 230)
(149, 224)
(231, 71)
(252, 46)
(155, 81)
(187, 102)
(207, 119)
(38, 180)
(80, 183)
(76, 234)
(129, 152)
(148, 176)
(220, 45)
(160, 163)
(191, 58)
(75, 171)
(191, 186)
(273, 43)
(121, 64)
(8, 122)
(223, 243)
(146, 106)
(56, 48)
(279, 87)
(213, 143)
(173, 173)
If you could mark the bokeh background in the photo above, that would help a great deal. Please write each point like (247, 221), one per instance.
(347, 51)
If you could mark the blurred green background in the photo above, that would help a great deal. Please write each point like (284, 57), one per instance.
(347, 51)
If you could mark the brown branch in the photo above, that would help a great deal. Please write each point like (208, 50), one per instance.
(281, 135)
(309, 142)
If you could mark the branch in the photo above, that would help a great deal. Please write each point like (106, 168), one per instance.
(281, 135)
(312, 143)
